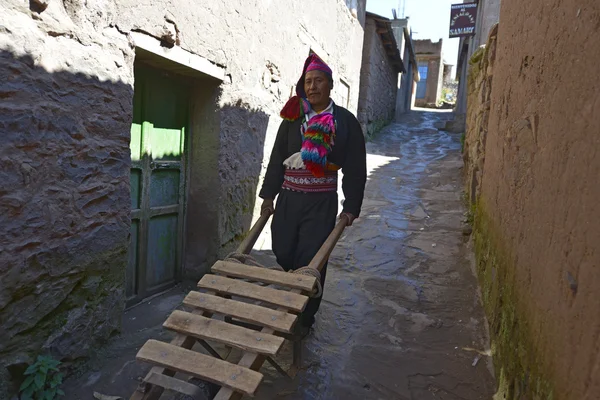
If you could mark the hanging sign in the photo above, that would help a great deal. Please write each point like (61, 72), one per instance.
(462, 19)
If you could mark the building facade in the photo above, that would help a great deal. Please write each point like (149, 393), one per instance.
(381, 64)
(135, 137)
(431, 71)
(488, 14)
(405, 99)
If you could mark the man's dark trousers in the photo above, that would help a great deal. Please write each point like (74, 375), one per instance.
(301, 224)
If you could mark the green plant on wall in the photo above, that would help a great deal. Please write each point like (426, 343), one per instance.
(42, 381)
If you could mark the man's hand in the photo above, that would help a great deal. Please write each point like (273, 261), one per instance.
(349, 216)
(267, 206)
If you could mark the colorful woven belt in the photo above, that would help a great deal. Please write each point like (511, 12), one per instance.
(302, 180)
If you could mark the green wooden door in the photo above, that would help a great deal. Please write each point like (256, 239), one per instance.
(158, 137)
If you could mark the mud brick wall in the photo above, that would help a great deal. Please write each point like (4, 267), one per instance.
(66, 90)
(536, 225)
(378, 83)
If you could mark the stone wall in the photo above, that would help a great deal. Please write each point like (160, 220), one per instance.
(67, 88)
(536, 233)
(479, 89)
(65, 117)
(378, 84)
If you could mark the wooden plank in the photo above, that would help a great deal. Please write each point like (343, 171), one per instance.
(219, 331)
(249, 360)
(293, 281)
(148, 391)
(281, 298)
(177, 385)
(277, 320)
(172, 209)
(222, 373)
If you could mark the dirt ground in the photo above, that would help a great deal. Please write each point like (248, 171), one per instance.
(401, 316)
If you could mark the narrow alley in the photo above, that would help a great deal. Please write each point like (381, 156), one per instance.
(401, 316)
(426, 170)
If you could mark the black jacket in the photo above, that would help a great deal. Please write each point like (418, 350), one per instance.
(348, 152)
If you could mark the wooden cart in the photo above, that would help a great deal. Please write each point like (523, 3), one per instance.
(257, 328)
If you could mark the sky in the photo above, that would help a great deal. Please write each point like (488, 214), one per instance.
(429, 19)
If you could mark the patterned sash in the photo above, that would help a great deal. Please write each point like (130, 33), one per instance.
(302, 180)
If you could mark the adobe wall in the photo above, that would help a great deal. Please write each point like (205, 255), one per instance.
(428, 47)
(536, 232)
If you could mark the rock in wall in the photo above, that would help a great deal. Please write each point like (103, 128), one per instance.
(479, 89)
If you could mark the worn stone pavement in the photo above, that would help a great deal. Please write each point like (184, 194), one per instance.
(401, 316)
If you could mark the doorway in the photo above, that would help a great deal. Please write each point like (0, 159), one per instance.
(422, 84)
(159, 137)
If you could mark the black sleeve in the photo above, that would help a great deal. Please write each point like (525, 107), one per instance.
(275, 170)
(355, 169)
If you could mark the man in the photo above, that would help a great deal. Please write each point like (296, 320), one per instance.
(316, 138)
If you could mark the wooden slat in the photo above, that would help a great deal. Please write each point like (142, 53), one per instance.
(153, 392)
(229, 375)
(219, 331)
(282, 298)
(177, 385)
(172, 209)
(277, 320)
(249, 360)
(293, 281)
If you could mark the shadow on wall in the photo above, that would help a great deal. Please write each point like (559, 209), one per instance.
(64, 211)
(243, 133)
(225, 170)
(65, 204)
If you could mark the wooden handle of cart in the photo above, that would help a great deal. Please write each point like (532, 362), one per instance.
(323, 254)
(246, 246)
